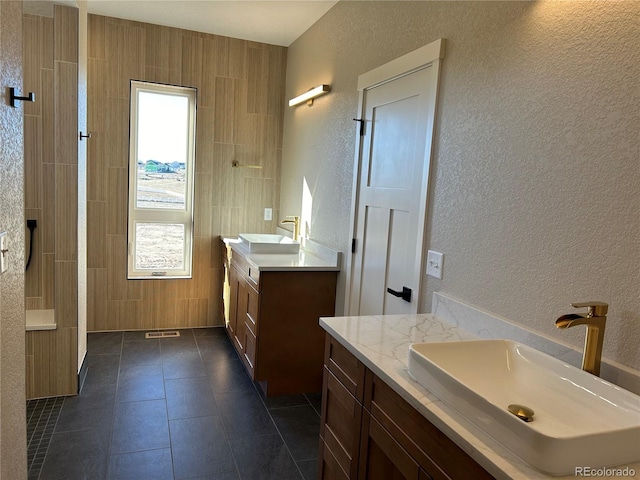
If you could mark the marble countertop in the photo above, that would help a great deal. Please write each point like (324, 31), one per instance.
(382, 344)
(306, 259)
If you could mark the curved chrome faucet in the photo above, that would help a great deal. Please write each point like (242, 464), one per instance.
(595, 319)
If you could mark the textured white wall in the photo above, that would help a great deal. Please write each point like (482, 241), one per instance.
(536, 173)
(13, 423)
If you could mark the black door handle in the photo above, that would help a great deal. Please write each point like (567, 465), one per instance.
(405, 294)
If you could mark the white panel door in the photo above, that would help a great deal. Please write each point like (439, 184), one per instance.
(392, 193)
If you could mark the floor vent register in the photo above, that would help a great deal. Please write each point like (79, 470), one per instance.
(165, 334)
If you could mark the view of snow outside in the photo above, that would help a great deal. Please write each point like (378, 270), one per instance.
(161, 159)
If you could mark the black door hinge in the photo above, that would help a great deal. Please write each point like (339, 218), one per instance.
(353, 245)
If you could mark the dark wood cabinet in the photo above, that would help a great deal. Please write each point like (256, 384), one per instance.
(381, 456)
(273, 322)
(328, 466)
(369, 432)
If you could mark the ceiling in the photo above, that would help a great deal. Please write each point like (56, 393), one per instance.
(267, 21)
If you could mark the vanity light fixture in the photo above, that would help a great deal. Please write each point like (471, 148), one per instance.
(310, 95)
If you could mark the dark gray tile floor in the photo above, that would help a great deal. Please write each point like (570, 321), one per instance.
(179, 408)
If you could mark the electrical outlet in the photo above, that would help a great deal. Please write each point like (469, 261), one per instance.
(268, 214)
(4, 253)
(435, 262)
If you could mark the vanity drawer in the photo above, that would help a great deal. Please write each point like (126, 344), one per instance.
(240, 263)
(249, 271)
(345, 366)
(431, 448)
(254, 275)
(252, 309)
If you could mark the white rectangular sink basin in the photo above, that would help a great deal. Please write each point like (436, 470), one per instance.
(269, 243)
(580, 420)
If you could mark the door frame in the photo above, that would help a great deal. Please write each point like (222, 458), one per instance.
(431, 56)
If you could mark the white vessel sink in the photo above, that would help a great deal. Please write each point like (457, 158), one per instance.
(580, 420)
(269, 243)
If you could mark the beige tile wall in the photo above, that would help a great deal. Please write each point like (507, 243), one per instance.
(50, 57)
(39, 194)
(240, 108)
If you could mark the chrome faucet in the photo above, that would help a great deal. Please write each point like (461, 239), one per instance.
(295, 219)
(595, 320)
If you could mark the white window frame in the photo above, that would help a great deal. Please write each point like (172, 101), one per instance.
(158, 215)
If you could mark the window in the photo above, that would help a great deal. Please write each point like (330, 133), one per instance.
(162, 126)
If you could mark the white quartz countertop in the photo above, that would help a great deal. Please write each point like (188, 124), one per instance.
(382, 344)
(303, 260)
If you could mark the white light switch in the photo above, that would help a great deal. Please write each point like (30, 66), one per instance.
(4, 253)
(268, 214)
(435, 262)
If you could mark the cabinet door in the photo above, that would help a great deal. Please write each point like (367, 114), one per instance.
(340, 423)
(240, 314)
(249, 356)
(233, 302)
(345, 367)
(252, 305)
(381, 457)
(328, 466)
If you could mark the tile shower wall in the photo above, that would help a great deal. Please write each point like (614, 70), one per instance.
(50, 57)
(240, 108)
(39, 159)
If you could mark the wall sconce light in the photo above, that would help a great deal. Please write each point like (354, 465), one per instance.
(310, 95)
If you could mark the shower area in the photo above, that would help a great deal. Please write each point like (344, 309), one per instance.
(55, 342)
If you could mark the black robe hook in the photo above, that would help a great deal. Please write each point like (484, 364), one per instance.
(13, 97)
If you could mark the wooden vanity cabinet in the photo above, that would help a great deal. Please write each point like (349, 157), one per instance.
(274, 324)
(395, 440)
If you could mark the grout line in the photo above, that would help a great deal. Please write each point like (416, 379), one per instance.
(278, 430)
(313, 406)
(166, 409)
(224, 430)
(115, 403)
(259, 393)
